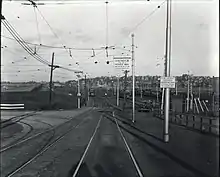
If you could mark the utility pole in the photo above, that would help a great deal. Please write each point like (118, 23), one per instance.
(78, 94)
(125, 88)
(191, 93)
(141, 90)
(85, 91)
(187, 101)
(133, 79)
(157, 92)
(88, 89)
(176, 88)
(51, 78)
(162, 101)
(163, 89)
(213, 102)
(118, 84)
(167, 69)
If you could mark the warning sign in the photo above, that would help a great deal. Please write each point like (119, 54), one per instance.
(122, 63)
(167, 82)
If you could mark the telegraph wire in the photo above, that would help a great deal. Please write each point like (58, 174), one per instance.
(20, 41)
(144, 19)
(54, 32)
(60, 47)
(30, 51)
(39, 38)
(106, 28)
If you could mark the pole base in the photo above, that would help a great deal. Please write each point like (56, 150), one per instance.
(166, 138)
(133, 121)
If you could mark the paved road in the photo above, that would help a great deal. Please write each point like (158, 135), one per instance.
(195, 151)
(100, 145)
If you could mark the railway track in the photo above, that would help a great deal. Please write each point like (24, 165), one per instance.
(15, 119)
(25, 137)
(131, 129)
(89, 151)
(55, 134)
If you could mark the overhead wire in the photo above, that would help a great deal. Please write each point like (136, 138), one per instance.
(39, 38)
(29, 50)
(56, 47)
(54, 32)
(19, 39)
(143, 20)
(106, 11)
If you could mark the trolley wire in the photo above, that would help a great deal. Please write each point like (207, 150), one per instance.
(20, 41)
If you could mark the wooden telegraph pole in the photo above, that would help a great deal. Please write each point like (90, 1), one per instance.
(51, 79)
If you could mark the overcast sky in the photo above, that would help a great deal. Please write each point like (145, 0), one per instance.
(83, 25)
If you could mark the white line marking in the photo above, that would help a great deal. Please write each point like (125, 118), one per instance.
(129, 151)
(9, 108)
(37, 155)
(12, 104)
(85, 152)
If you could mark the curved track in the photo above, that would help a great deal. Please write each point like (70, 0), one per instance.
(15, 119)
(23, 138)
(51, 141)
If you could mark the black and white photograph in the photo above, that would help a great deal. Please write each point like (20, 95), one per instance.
(109, 88)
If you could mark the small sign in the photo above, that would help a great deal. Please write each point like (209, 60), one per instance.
(122, 62)
(167, 82)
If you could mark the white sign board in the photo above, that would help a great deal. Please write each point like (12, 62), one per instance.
(167, 82)
(122, 63)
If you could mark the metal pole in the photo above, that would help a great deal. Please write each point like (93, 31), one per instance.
(187, 104)
(141, 91)
(213, 102)
(157, 93)
(167, 74)
(85, 88)
(117, 91)
(176, 89)
(162, 101)
(133, 79)
(191, 93)
(51, 79)
(78, 94)
(125, 88)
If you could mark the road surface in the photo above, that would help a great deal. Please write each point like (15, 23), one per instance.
(91, 142)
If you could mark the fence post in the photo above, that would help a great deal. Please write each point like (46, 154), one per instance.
(193, 121)
(201, 121)
(210, 125)
(187, 117)
(180, 121)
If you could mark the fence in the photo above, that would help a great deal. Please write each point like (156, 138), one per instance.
(205, 124)
(11, 106)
